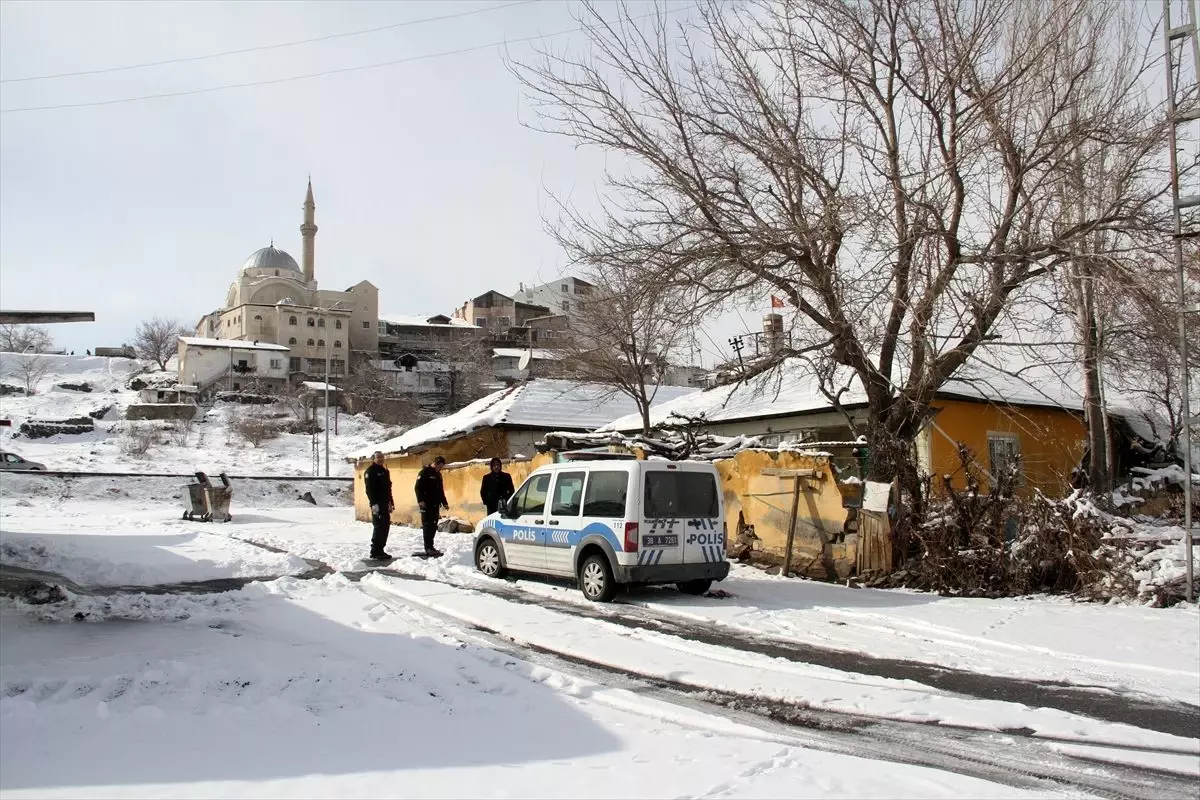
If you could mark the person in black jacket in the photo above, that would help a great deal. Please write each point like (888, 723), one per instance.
(378, 483)
(496, 486)
(431, 497)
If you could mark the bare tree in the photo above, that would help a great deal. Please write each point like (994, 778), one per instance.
(892, 168)
(157, 339)
(623, 334)
(30, 370)
(25, 339)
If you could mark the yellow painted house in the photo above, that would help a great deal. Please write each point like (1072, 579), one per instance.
(996, 416)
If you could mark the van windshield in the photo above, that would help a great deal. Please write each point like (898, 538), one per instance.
(686, 495)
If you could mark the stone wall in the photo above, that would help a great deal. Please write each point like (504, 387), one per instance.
(161, 411)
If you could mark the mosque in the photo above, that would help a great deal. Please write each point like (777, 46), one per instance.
(277, 301)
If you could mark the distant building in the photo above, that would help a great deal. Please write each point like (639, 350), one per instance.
(564, 296)
(420, 336)
(502, 320)
(275, 300)
(216, 364)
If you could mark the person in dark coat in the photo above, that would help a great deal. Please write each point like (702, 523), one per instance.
(496, 486)
(431, 498)
(378, 483)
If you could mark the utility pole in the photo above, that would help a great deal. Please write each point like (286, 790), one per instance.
(327, 343)
(737, 344)
(1181, 36)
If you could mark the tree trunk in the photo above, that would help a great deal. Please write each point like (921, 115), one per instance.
(1097, 466)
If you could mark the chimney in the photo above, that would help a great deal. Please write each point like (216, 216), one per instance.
(773, 332)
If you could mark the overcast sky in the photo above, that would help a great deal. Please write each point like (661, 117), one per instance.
(426, 182)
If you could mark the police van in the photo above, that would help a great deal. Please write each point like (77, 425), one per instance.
(611, 522)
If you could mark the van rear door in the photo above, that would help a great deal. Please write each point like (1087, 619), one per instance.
(682, 511)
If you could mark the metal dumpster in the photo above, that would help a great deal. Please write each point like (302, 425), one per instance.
(218, 498)
(196, 498)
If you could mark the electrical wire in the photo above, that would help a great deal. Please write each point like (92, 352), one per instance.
(278, 45)
(323, 73)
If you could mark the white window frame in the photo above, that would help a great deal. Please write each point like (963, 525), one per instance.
(1010, 438)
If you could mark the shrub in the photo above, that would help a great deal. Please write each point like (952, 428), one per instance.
(254, 430)
(137, 439)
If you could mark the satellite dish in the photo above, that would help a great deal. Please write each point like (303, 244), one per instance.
(526, 358)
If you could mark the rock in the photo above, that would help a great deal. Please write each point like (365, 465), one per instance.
(136, 384)
(454, 525)
(308, 498)
(774, 570)
(75, 387)
(100, 413)
(8, 388)
(45, 428)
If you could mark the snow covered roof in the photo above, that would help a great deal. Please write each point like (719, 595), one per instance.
(230, 344)
(410, 320)
(791, 389)
(318, 386)
(541, 404)
(517, 352)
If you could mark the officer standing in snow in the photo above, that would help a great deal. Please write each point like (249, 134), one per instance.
(496, 486)
(431, 497)
(378, 483)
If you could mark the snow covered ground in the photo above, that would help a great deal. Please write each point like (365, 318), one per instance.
(313, 689)
(380, 688)
(210, 444)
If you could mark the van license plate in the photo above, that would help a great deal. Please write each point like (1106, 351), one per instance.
(660, 540)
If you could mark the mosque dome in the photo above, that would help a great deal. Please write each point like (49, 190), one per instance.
(270, 258)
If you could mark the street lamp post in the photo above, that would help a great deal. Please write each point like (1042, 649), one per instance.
(327, 344)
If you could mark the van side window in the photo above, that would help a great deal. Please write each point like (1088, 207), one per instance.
(531, 499)
(605, 496)
(680, 495)
(568, 495)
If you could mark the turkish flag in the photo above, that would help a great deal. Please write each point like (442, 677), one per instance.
(776, 302)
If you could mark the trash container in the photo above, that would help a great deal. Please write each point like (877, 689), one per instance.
(197, 498)
(218, 498)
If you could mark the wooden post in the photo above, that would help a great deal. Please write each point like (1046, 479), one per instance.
(787, 555)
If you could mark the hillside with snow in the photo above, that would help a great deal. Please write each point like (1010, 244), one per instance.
(98, 389)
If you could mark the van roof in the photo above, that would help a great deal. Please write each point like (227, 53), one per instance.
(627, 465)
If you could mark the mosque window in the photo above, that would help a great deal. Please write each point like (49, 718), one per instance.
(292, 340)
(337, 343)
(258, 317)
(366, 325)
(320, 342)
(321, 322)
(338, 324)
(291, 320)
(310, 342)
(311, 322)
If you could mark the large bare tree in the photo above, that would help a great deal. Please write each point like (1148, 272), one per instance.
(624, 333)
(157, 339)
(893, 168)
(25, 339)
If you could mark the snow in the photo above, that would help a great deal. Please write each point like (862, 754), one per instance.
(230, 344)
(540, 404)
(538, 354)
(310, 689)
(294, 687)
(410, 320)
(210, 444)
(319, 386)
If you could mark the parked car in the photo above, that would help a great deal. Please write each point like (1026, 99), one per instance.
(608, 523)
(12, 461)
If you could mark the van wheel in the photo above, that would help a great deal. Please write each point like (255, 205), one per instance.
(697, 587)
(487, 559)
(596, 579)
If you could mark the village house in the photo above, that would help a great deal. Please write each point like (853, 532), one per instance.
(998, 417)
(507, 424)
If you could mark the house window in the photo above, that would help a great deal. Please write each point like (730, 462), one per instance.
(276, 363)
(366, 325)
(338, 324)
(321, 322)
(566, 305)
(565, 288)
(311, 342)
(320, 342)
(276, 273)
(336, 366)
(311, 322)
(258, 317)
(294, 364)
(1004, 450)
(292, 340)
(503, 322)
(337, 344)
(481, 322)
(291, 320)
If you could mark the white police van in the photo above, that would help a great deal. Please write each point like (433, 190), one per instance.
(611, 522)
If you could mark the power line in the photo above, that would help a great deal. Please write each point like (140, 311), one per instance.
(224, 53)
(307, 76)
